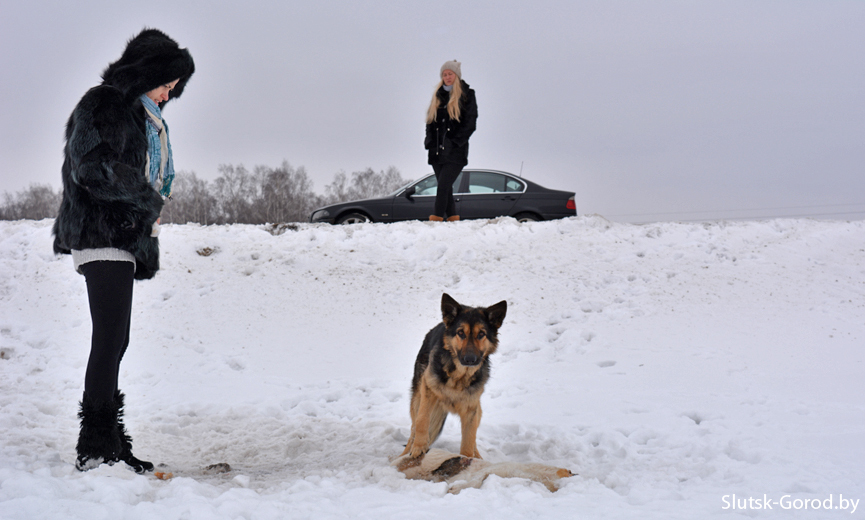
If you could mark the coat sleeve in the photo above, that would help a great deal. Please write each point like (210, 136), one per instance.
(97, 137)
(468, 120)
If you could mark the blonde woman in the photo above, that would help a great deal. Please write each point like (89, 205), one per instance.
(450, 121)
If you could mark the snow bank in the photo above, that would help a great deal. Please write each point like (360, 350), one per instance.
(669, 365)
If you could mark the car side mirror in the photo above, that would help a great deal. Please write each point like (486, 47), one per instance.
(409, 192)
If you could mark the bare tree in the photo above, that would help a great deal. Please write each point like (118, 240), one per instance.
(285, 194)
(35, 203)
(364, 184)
(268, 195)
(191, 201)
(235, 191)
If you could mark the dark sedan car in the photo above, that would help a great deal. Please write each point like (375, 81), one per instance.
(478, 194)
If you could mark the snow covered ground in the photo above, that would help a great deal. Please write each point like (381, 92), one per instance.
(669, 365)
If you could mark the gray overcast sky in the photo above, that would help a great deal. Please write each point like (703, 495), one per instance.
(648, 110)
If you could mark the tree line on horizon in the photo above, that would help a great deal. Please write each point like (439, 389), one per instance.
(264, 195)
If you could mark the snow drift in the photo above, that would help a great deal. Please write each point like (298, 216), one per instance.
(670, 366)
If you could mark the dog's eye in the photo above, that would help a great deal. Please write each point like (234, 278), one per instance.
(461, 334)
(481, 335)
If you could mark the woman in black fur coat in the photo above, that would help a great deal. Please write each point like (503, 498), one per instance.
(450, 121)
(117, 158)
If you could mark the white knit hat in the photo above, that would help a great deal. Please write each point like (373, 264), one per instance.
(453, 66)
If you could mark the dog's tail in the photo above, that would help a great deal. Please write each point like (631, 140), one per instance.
(436, 423)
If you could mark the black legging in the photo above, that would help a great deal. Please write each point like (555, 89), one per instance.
(109, 290)
(446, 174)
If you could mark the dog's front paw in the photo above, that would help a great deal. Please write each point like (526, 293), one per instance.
(417, 450)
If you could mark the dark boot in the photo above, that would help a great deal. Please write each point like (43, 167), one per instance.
(99, 439)
(140, 466)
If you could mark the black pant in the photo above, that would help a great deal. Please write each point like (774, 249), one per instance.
(446, 174)
(109, 290)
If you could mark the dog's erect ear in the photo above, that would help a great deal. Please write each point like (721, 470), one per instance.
(496, 313)
(450, 309)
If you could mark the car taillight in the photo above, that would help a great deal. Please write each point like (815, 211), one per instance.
(572, 204)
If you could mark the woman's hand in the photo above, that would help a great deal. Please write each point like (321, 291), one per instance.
(154, 230)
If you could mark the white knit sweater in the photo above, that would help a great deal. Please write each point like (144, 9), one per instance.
(110, 254)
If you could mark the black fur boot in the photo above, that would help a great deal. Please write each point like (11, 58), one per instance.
(99, 439)
(140, 466)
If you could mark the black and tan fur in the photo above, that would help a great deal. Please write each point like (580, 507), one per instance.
(450, 372)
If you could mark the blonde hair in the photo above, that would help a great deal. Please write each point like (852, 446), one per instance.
(453, 102)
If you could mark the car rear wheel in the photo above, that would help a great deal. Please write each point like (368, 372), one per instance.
(527, 217)
(353, 218)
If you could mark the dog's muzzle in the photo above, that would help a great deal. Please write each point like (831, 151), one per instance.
(470, 360)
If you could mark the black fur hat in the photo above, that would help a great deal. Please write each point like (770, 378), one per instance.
(150, 59)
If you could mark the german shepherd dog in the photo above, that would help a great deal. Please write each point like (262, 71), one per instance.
(450, 372)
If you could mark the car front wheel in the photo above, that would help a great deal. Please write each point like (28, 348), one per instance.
(353, 218)
(527, 217)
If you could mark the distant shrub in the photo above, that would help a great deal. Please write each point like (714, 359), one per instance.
(35, 203)
(237, 196)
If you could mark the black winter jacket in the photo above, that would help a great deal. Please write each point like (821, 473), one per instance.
(446, 139)
(107, 198)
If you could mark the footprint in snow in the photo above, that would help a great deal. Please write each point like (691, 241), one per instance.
(236, 364)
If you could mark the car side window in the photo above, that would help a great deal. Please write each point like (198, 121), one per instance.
(429, 185)
(426, 187)
(488, 182)
(457, 183)
(514, 185)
